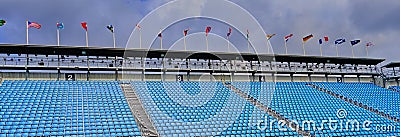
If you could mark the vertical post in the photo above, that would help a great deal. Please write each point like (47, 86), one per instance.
(88, 68)
(229, 48)
(337, 52)
(161, 43)
(140, 38)
(366, 49)
(87, 40)
(291, 78)
(248, 44)
(113, 35)
(232, 76)
(27, 33)
(184, 42)
(326, 78)
(268, 45)
(207, 43)
(320, 49)
(26, 67)
(286, 47)
(304, 49)
(58, 56)
(352, 50)
(58, 37)
(188, 76)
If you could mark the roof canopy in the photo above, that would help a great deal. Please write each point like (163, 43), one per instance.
(153, 53)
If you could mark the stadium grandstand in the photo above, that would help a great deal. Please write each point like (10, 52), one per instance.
(91, 91)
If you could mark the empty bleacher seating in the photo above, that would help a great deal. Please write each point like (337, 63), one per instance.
(299, 102)
(64, 108)
(201, 109)
(395, 88)
(379, 98)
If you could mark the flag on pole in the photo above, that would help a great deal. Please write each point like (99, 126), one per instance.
(247, 34)
(208, 29)
(159, 34)
(60, 25)
(111, 28)
(287, 37)
(355, 42)
(369, 44)
(326, 38)
(229, 32)
(84, 26)
(308, 37)
(2, 23)
(185, 32)
(320, 41)
(340, 41)
(269, 36)
(138, 26)
(34, 24)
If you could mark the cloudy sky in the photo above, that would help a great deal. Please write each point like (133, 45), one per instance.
(376, 21)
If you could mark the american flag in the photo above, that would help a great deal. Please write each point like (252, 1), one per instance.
(34, 24)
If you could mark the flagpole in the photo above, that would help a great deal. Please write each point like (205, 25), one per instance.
(207, 43)
(352, 50)
(27, 33)
(184, 42)
(113, 35)
(227, 39)
(268, 45)
(248, 45)
(366, 49)
(58, 37)
(140, 38)
(304, 49)
(337, 52)
(161, 43)
(286, 47)
(87, 40)
(320, 48)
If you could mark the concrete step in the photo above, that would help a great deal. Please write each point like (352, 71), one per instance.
(143, 120)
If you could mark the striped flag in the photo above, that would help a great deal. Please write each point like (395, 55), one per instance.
(287, 37)
(208, 29)
(84, 25)
(138, 26)
(2, 23)
(34, 24)
(308, 37)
